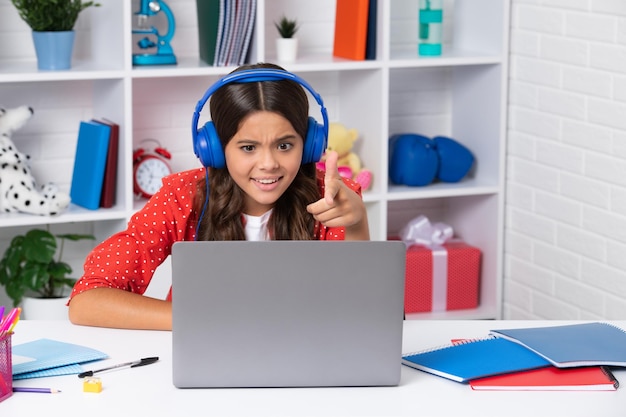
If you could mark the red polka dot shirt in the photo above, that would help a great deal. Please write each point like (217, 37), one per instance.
(127, 260)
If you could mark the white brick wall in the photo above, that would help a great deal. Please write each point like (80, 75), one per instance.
(565, 232)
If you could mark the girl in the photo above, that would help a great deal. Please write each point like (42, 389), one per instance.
(263, 192)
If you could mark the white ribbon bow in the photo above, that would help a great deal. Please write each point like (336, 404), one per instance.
(420, 231)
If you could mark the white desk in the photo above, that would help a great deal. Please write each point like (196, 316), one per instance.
(148, 391)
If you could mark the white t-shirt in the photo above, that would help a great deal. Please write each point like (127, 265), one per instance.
(256, 226)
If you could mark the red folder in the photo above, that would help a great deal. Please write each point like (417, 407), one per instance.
(593, 378)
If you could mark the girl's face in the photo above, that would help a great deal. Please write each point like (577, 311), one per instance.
(263, 158)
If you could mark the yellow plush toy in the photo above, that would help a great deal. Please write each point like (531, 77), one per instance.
(341, 140)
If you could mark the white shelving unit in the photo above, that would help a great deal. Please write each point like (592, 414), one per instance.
(461, 94)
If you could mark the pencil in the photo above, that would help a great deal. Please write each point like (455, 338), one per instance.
(40, 390)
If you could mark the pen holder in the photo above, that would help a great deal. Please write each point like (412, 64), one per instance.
(6, 368)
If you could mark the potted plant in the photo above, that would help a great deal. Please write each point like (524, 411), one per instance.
(28, 266)
(287, 44)
(52, 23)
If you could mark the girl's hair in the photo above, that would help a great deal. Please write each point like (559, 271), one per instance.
(229, 105)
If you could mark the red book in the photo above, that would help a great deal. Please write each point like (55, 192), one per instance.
(351, 29)
(592, 378)
(107, 197)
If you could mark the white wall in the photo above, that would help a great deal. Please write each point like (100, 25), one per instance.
(565, 239)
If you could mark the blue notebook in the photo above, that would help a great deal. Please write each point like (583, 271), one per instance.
(47, 357)
(474, 359)
(584, 344)
(89, 164)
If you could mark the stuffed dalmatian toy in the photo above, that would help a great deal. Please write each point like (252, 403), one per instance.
(18, 189)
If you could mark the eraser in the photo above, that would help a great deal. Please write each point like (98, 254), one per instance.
(92, 384)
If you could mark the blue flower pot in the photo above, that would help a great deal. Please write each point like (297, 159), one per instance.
(54, 49)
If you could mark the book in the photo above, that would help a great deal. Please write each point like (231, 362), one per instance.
(89, 164)
(220, 32)
(226, 36)
(473, 359)
(56, 371)
(588, 378)
(51, 356)
(370, 43)
(583, 344)
(249, 33)
(208, 13)
(350, 29)
(109, 184)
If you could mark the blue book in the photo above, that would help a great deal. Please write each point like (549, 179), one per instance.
(473, 359)
(584, 344)
(89, 164)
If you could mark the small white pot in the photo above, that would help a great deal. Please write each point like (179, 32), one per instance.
(44, 308)
(286, 49)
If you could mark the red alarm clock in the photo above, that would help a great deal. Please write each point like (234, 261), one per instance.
(149, 168)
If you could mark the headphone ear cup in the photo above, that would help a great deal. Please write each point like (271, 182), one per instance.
(208, 148)
(315, 142)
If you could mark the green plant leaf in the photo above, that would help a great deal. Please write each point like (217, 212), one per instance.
(10, 263)
(28, 264)
(15, 290)
(75, 237)
(287, 28)
(34, 276)
(39, 246)
(51, 15)
(58, 270)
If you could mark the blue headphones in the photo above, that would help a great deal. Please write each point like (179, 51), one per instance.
(206, 143)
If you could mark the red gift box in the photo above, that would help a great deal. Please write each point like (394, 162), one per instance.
(442, 277)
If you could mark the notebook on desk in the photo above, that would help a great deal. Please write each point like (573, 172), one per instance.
(287, 313)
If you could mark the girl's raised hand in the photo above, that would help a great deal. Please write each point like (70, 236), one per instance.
(340, 205)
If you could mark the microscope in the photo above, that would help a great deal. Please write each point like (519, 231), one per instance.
(164, 54)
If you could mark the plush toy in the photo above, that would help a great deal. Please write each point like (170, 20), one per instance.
(18, 189)
(341, 140)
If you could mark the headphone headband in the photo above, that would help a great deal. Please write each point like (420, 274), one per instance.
(204, 138)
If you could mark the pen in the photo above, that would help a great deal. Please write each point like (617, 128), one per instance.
(16, 319)
(10, 319)
(133, 364)
(40, 390)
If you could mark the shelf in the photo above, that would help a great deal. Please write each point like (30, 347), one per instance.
(460, 94)
(73, 214)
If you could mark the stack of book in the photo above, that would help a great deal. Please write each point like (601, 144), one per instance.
(48, 357)
(225, 30)
(355, 29)
(94, 177)
(568, 357)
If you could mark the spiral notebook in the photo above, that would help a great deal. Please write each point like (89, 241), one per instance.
(583, 344)
(472, 359)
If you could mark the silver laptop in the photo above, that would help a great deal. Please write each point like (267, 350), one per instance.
(287, 313)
